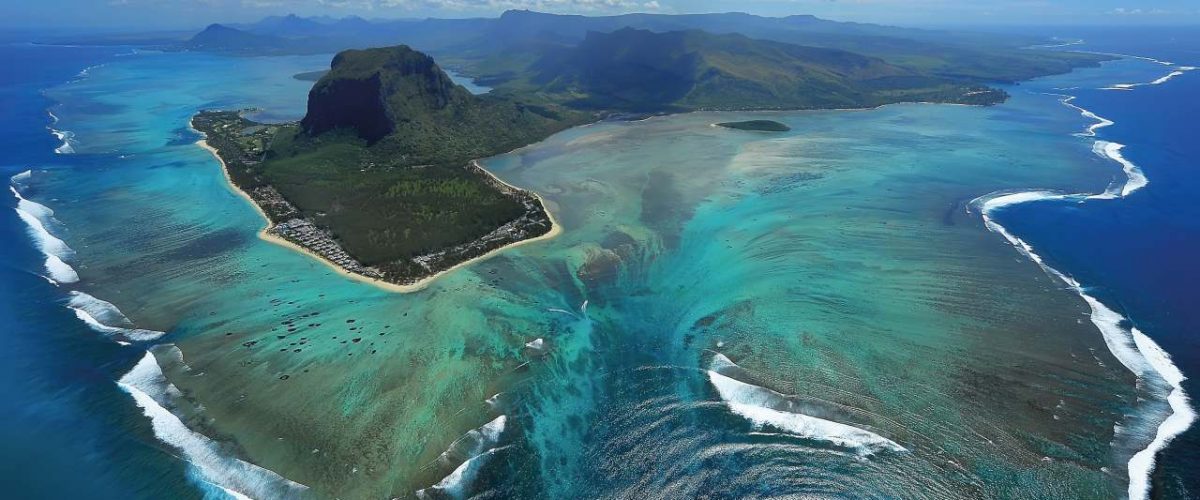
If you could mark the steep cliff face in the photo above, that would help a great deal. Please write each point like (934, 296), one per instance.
(350, 103)
(410, 112)
(371, 91)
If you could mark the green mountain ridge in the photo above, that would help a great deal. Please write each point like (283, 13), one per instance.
(410, 112)
(221, 38)
(494, 48)
(644, 70)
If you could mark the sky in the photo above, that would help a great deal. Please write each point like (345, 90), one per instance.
(149, 15)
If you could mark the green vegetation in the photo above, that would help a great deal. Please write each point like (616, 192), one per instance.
(505, 43)
(759, 125)
(639, 70)
(499, 50)
(425, 118)
(381, 165)
(310, 76)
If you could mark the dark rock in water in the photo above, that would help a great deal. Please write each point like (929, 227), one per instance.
(760, 125)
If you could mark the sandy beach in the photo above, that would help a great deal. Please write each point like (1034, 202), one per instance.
(263, 234)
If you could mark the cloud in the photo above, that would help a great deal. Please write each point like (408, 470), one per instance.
(1122, 11)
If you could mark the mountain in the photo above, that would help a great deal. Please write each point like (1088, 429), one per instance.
(405, 107)
(524, 23)
(378, 177)
(640, 70)
(230, 40)
(221, 38)
(498, 48)
(982, 57)
(290, 25)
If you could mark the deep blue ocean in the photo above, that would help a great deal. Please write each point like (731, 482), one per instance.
(70, 431)
(62, 410)
(1141, 252)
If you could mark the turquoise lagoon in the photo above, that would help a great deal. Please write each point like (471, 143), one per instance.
(728, 313)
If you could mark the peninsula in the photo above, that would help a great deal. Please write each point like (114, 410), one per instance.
(379, 178)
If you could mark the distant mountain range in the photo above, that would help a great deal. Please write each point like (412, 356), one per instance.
(632, 69)
(474, 44)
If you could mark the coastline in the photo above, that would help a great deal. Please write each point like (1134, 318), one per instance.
(421, 284)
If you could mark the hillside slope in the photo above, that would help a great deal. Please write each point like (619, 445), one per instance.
(409, 111)
(642, 70)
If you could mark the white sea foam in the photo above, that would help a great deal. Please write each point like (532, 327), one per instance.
(537, 344)
(476, 445)
(1133, 349)
(68, 141)
(104, 317)
(58, 271)
(35, 216)
(1176, 71)
(1182, 415)
(21, 177)
(153, 394)
(1101, 121)
(452, 485)
(1057, 45)
(1167, 78)
(757, 404)
(1136, 179)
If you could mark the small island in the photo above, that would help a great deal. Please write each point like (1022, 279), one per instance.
(760, 125)
(310, 76)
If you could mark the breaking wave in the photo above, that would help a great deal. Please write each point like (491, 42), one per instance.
(476, 446)
(762, 407)
(1175, 71)
(66, 137)
(68, 141)
(36, 216)
(104, 317)
(1133, 349)
(154, 394)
